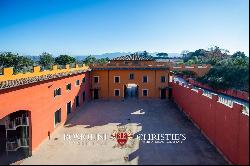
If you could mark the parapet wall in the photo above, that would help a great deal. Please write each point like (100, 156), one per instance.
(10, 80)
(230, 92)
(226, 125)
(8, 73)
(199, 70)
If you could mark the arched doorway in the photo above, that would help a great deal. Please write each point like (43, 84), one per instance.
(15, 136)
(131, 91)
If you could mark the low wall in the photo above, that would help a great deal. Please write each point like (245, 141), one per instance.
(230, 92)
(199, 70)
(226, 127)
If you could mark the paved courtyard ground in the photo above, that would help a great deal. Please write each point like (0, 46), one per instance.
(141, 116)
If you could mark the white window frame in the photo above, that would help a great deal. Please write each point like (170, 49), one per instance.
(119, 80)
(94, 79)
(119, 92)
(143, 77)
(143, 93)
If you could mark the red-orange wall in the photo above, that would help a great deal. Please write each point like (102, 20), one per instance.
(226, 127)
(39, 99)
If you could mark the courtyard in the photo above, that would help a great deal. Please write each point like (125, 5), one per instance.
(141, 117)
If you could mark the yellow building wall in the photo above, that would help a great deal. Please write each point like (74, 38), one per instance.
(107, 83)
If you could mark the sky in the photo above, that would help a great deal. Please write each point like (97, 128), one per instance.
(80, 27)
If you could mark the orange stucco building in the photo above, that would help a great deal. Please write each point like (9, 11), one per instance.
(113, 80)
(33, 105)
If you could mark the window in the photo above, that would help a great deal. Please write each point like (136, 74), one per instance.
(163, 79)
(83, 80)
(117, 92)
(68, 87)
(96, 79)
(57, 116)
(144, 92)
(77, 82)
(77, 101)
(68, 107)
(126, 62)
(131, 76)
(117, 79)
(83, 96)
(145, 79)
(57, 92)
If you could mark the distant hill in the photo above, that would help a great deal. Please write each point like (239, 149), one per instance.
(109, 55)
(117, 54)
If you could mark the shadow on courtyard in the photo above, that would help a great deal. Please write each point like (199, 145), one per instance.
(154, 117)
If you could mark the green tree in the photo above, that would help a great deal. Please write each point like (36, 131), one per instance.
(89, 60)
(232, 72)
(144, 53)
(162, 55)
(8, 59)
(102, 60)
(19, 63)
(64, 60)
(46, 60)
(214, 55)
(239, 54)
(185, 55)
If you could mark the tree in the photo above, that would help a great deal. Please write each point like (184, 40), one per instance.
(46, 60)
(231, 72)
(239, 54)
(144, 53)
(185, 55)
(24, 64)
(19, 63)
(89, 60)
(214, 55)
(162, 55)
(102, 60)
(64, 60)
(8, 59)
(193, 60)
